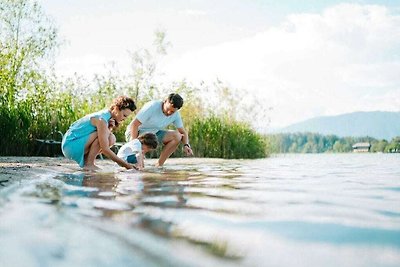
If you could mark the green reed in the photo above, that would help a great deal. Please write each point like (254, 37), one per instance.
(50, 110)
(217, 137)
(34, 103)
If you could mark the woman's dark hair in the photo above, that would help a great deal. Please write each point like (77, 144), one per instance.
(149, 139)
(176, 100)
(123, 102)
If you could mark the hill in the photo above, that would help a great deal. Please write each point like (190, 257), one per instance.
(377, 124)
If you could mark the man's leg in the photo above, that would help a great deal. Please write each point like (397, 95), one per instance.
(171, 141)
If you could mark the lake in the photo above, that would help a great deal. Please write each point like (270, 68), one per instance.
(286, 210)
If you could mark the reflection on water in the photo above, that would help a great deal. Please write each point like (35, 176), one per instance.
(302, 210)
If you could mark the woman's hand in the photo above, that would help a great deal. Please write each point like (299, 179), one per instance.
(131, 166)
(111, 124)
(103, 134)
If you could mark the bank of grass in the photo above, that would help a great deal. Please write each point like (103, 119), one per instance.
(217, 137)
(26, 121)
(23, 122)
(34, 102)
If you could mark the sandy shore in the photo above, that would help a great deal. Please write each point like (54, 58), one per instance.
(15, 169)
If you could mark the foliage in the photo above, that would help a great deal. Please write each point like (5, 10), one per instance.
(379, 146)
(393, 146)
(26, 39)
(34, 102)
(222, 138)
(316, 143)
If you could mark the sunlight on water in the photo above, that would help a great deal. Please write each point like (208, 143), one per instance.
(289, 210)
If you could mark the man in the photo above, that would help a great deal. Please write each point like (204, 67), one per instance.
(154, 117)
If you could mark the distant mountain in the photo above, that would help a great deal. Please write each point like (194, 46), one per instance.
(377, 124)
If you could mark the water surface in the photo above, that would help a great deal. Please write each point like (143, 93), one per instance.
(288, 210)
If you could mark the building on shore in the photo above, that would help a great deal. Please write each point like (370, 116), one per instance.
(361, 147)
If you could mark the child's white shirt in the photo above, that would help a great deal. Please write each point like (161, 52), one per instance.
(133, 147)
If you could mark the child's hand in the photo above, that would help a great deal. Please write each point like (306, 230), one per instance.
(138, 167)
(135, 166)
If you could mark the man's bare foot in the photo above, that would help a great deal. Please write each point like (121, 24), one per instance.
(91, 168)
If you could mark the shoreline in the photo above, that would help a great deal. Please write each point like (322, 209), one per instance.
(15, 168)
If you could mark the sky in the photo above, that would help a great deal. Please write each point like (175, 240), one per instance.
(301, 58)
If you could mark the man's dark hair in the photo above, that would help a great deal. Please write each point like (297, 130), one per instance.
(176, 100)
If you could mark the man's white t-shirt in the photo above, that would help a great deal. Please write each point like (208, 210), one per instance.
(153, 119)
(133, 147)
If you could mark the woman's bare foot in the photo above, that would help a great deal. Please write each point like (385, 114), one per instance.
(91, 168)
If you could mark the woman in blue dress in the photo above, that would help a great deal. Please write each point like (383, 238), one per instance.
(90, 135)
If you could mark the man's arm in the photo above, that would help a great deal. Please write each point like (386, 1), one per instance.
(185, 141)
(135, 129)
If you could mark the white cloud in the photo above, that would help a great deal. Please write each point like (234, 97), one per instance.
(110, 34)
(88, 64)
(345, 59)
(193, 12)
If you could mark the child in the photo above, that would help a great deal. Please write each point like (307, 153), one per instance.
(154, 117)
(133, 152)
(91, 134)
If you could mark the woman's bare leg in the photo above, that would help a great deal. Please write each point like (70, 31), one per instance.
(92, 149)
(171, 142)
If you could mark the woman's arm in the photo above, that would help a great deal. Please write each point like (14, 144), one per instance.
(103, 133)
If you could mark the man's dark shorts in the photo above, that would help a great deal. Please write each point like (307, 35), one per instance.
(160, 136)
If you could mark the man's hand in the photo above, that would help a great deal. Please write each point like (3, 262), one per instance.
(188, 150)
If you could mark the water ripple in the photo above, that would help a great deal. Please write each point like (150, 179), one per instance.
(323, 210)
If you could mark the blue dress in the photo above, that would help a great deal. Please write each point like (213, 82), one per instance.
(73, 143)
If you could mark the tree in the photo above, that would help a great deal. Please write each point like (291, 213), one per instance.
(379, 146)
(144, 65)
(393, 146)
(26, 38)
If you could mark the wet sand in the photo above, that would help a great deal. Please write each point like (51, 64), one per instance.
(15, 169)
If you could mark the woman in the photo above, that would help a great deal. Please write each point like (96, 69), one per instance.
(91, 134)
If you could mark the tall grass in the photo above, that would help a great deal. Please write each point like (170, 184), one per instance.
(223, 138)
(37, 116)
(33, 102)
(15, 124)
